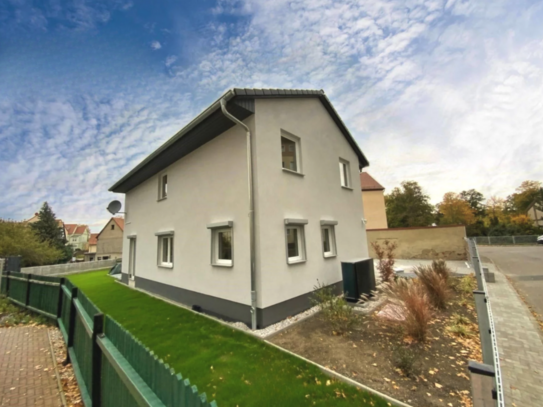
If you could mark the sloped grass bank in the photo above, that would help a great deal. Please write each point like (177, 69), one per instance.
(233, 368)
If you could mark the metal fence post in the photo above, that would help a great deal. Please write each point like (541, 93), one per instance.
(478, 272)
(7, 284)
(71, 326)
(514, 241)
(484, 327)
(98, 329)
(488, 239)
(27, 299)
(60, 298)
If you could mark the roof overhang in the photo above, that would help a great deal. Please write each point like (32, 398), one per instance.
(211, 123)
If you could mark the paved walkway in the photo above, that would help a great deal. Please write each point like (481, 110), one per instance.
(27, 373)
(519, 344)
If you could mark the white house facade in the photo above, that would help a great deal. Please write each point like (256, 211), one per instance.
(187, 224)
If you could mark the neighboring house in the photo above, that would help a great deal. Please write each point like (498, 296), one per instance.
(91, 254)
(535, 214)
(188, 218)
(373, 201)
(109, 242)
(36, 217)
(77, 236)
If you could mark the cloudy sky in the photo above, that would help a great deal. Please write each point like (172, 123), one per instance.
(446, 93)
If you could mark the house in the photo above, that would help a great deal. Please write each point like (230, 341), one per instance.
(109, 242)
(60, 223)
(91, 253)
(373, 200)
(77, 236)
(243, 211)
(535, 214)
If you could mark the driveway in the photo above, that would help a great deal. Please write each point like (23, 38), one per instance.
(524, 266)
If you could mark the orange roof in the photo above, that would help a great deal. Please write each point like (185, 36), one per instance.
(120, 222)
(74, 229)
(368, 183)
(93, 238)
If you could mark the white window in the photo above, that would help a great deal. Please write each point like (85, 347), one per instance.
(344, 173)
(222, 243)
(163, 187)
(165, 251)
(290, 152)
(328, 234)
(295, 240)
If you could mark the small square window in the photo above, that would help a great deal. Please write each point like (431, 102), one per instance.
(221, 251)
(290, 153)
(163, 187)
(328, 241)
(165, 251)
(344, 173)
(295, 241)
(112, 227)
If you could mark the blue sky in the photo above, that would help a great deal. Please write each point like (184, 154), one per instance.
(447, 93)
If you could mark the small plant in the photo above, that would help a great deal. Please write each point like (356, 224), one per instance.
(458, 319)
(385, 255)
(334, 310)
(405, 359)
(460, 330)
(467, 284)
(411, 296)
(435, 284)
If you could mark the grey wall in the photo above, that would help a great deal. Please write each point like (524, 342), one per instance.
(69, 267)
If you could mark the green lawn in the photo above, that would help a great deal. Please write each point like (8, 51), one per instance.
(232, 367)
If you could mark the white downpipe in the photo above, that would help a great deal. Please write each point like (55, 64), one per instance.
(251, 209)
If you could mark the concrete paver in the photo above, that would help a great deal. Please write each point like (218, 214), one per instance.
(27, 373)
(519, 344)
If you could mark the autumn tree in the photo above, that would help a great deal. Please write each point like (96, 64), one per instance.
(525, 195)
(17, 239)
(475, 200)
(408, 206)
(455, 210)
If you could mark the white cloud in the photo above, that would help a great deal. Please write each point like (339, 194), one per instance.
(170, 60)
(156, 45)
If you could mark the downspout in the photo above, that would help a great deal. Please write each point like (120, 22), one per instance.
(251, 209)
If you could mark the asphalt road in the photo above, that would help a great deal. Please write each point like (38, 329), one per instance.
(524, 266)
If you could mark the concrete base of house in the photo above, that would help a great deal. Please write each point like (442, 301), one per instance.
(229, 310)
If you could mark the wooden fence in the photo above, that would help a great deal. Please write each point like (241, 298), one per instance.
(111, 366)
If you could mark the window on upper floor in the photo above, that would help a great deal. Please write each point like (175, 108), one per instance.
(290, 153)
(344, 173)
(163, 186)
(112, 227)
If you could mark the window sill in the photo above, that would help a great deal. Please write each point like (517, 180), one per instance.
(161, 199)
(222, 265)
(293, 172)
(164, 266)
(329, 256)
(296, 261)
(349, 188)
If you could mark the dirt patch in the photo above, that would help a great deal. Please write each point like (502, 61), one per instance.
(370, 353)
(72, 394)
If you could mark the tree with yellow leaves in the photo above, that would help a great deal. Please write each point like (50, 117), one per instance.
(455, 210)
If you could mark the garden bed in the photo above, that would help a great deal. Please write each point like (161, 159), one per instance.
(372, 352)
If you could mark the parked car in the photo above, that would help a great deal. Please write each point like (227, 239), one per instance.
(540, 240)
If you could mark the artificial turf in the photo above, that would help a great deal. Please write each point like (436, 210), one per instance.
(231, 367)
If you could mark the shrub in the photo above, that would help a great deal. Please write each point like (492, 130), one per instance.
(335, 311)
(385, 255)
(467, 284)
(411, 296)
(460, 319)
(435, 284)
(441, 268)
(405, 358)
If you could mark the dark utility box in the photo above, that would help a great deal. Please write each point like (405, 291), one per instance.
(13, 263)
(358, 278)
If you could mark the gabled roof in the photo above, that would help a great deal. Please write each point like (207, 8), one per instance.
(211, 123)
(118, 221)
(93, 238)
(369, 183)
(74, 229)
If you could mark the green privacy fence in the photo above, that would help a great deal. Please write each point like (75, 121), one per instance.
(113, 369)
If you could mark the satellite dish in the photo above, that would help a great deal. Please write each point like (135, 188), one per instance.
(114, 207)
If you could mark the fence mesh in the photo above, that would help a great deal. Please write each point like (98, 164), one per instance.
(505, 240)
